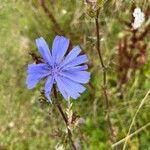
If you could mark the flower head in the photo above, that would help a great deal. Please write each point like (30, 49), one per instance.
(67, 72)
(139, 18)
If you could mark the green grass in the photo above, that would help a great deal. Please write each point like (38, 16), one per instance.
(25, 124)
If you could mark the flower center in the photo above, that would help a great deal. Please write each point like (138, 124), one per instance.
(54, 70)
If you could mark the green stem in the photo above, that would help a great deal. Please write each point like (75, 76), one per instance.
(64, 118)
(104, 72)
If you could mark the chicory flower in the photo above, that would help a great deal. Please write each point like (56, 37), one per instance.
(68, 72)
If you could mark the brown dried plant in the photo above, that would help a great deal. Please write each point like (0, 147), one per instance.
(132, 48)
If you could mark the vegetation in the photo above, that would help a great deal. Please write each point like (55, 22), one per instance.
(28, 122)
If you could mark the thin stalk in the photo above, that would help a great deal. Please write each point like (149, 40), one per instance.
(134, 119)
(64, 118)
(50, 15)
(131, 135)
(104, 72)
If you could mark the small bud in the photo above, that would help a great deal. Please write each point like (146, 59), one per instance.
(81, 121)
(92, 3)
(77, 144)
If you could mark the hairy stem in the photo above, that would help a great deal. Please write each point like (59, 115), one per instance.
(104, 72)
(64, 118)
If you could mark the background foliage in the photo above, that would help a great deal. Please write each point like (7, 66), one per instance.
(27, 124)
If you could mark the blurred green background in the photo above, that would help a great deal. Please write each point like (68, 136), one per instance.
(25, 123)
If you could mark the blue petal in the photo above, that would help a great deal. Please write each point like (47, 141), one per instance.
(78, 76)
(72, 55)
(77, 61)
(75, 85)
(35, 74)
(43, 49)
(69, 90)
(33, 79)
(59, 48)
(76, 68)
(48, 87)
(61, 88)
(37, 68)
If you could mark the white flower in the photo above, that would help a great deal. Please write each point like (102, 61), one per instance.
(139, 18)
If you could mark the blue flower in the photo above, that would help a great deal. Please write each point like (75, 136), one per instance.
(67, 72)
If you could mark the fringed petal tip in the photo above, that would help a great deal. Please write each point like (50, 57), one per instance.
(59, 48)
